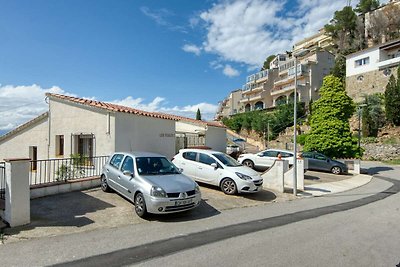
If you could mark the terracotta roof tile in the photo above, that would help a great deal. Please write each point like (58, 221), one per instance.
(124, 109)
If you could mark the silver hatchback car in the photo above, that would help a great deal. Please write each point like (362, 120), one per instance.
(151, 182)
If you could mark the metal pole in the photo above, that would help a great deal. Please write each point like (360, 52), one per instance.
(359, 127)
(295, 129)
(268, 133)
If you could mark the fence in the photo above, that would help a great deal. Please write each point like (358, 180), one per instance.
(2, 180)
(61, 170)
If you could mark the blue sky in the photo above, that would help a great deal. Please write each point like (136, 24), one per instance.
(170, 56)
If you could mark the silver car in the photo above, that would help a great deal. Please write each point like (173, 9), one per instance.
(151, 182)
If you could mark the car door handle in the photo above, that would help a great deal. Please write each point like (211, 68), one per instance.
(200, 168)
(107, 170)
(119, 177)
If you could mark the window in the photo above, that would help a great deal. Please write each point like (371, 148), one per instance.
(127, 165)
(59, 145)
(319, 157)
(84, 145)
(363, 61)
(33, 156)
(270, 154)
(286, 155)
(307, 155)
(116, 160)
(206, 159)
(190, 155)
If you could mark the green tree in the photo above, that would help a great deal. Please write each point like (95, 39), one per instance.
(365, 6)
(267, 61)
(392, 99)
(342, 28)
(198, 115)
(339, 69)
(373, 116)
(330, 129)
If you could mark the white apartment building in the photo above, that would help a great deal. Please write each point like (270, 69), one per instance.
(231, 105)
(368, 70)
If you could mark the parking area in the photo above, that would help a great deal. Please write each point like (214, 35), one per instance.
(93, 209)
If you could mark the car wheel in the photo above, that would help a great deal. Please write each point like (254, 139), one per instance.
(140, 205)
(336, 170)
(228, 186)
(104, 184)
(248, 163)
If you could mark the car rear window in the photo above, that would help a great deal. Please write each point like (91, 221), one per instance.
(189, 155)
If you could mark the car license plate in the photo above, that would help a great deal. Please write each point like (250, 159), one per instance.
(183, 202)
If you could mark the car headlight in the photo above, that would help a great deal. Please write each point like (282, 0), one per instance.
(243, 176)
(157, 191)
(197, 189)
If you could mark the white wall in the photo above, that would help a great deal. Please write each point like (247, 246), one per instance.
(373, 55)
(142, 133)
(17, 145)
(67, 118)
(216, 138)
(185, 127)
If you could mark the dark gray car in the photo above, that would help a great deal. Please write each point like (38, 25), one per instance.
(320, 162)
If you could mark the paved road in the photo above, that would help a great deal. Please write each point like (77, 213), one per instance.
(355, 228)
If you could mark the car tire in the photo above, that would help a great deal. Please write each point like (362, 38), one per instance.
(104, 185)
(248, 163)
(140, 205)
(228, 186)
(336, 170)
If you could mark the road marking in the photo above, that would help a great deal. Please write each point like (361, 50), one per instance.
(184, 242)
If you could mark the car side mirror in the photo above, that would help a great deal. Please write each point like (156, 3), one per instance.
(180, 170)
(128, 173)
(214, 165)
(328, 160)
(260, 154)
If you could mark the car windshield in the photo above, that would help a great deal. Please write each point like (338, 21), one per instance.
(227, 160)
(155, 166)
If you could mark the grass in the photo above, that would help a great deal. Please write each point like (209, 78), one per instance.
(391, 141)
(392, 162)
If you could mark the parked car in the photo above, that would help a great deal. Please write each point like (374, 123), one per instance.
(265, 159)
(320, 162)
(216, 168)
(233, 150)
(151, 182)
(239, 140)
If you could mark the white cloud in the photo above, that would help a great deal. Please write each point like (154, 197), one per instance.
(247, 31)
(161, 16)
(190, 48)
(19, 104)
(230, 72)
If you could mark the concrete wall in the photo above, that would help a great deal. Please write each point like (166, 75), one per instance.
(67, 118)
(140, 133)
(185, 127)
(216, 138)
(17, 145)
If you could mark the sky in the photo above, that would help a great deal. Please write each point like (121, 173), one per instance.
(170, 56)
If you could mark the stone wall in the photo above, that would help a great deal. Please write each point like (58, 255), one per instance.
(381, 152)
(370, 83)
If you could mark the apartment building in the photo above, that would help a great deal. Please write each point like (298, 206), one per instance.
(319, 40)
(256, 92)
(311, 69)
(231, 105)
(368, 70)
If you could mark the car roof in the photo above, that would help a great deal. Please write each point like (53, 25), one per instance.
(280, 150)
(137, 154)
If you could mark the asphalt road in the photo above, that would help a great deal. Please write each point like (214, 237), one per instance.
(354, 228)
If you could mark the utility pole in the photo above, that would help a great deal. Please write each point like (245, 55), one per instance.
(268, 133)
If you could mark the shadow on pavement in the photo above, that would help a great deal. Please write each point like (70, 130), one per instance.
(311, 177)
(263, 195)
(67, 209)
(377, 170)
(204, 210)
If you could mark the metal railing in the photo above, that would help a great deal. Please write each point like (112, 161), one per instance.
(2, 180)
(65, 169)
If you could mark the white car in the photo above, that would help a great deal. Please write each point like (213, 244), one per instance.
(216, 168)
(265, 159)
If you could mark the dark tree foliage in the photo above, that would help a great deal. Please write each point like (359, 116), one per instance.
(392, 99)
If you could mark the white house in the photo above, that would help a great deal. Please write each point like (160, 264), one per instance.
(368, 70)
(88, 127)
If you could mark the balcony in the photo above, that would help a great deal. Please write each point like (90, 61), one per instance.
(252, 88)
(389, 63)
(254, 97)
(282, 89)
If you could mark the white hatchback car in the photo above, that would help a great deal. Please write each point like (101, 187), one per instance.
(216, 168)
(265, 159)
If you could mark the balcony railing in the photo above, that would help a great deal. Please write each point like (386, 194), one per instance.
(388, 63)
(257, 76)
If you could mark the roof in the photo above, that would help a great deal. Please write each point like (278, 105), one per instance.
(378, 46)
(25, 125)
(124, 109)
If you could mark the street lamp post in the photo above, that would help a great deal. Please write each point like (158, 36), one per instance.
(296, 55)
